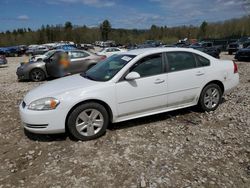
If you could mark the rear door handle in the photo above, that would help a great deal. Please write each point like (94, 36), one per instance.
(158, 81)
(199, 73)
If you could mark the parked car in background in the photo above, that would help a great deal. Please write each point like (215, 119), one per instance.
(37, 50)
(125, 86)
(13, 51)
(44, 56)
(66, 47)
(85, 46)
(36, 71)
(210, 51)
(150, 44)
(239, 44)
(3, 60)
(110, 51)
(243, 54)
(207, 47)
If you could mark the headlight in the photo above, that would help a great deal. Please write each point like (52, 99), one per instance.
(240, 46)
(48, 103)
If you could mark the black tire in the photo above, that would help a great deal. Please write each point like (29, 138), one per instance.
(37, 75)
(72, 119)
(202, 103)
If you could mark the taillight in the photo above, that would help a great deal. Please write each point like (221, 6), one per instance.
(235, 67)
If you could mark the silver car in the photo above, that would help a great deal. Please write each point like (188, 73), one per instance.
(37, 71)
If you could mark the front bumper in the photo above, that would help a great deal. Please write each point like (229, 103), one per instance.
(21, 74)
(42, 122)
(3, 62)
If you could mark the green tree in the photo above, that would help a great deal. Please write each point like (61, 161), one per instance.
(203, 30)
(105, 29)
(68, 26)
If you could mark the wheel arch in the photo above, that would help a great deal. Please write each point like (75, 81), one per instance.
(217, 82)
(104, 104)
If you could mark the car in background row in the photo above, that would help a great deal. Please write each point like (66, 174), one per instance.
(85, 46)
(36, 71)
(66, 47)
(3, 60)
(126, 86)
(37, 50)
(239, 44)
(44, 56)
(208, 48)
(243, 54)
(13, 51)
(110, 51)
(210, 51)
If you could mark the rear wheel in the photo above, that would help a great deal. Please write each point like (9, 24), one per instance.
(88, 121)
(37, 75)
(210, 97)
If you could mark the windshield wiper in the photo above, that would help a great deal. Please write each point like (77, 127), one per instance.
(84, 75)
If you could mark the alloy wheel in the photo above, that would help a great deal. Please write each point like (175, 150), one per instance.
(89, 122)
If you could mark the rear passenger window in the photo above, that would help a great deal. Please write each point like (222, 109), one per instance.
(178, 61)
(202, 61)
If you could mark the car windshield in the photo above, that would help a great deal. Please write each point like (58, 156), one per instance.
(49, 53)
(108, 68)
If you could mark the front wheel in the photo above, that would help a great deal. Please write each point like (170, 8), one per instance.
(88, 121)
(37, 75)
(210, 97)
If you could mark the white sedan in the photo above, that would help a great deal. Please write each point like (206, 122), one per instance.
(130, 85)
(110, 51)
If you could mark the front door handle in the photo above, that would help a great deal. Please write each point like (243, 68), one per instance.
(158, 81)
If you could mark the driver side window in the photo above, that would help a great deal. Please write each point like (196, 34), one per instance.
(149, 66)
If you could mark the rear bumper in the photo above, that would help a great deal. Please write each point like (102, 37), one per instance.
(232, 83)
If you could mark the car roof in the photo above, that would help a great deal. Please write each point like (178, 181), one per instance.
(157, 50)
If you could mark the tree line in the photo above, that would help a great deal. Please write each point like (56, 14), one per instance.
(234, 28)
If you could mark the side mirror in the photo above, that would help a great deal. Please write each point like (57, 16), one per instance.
(132, 76)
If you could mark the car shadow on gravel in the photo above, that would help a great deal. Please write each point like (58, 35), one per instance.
(152, 119)
(3, 66)
(159, 117)
(45, 137)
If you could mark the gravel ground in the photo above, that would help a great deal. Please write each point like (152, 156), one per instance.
(184, 148)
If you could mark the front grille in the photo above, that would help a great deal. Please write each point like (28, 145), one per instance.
(36, 126)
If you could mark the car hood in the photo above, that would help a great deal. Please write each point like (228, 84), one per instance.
(59, 86)
(40, 56)
(31, 62)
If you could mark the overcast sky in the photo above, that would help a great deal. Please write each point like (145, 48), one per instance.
(139, 14)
